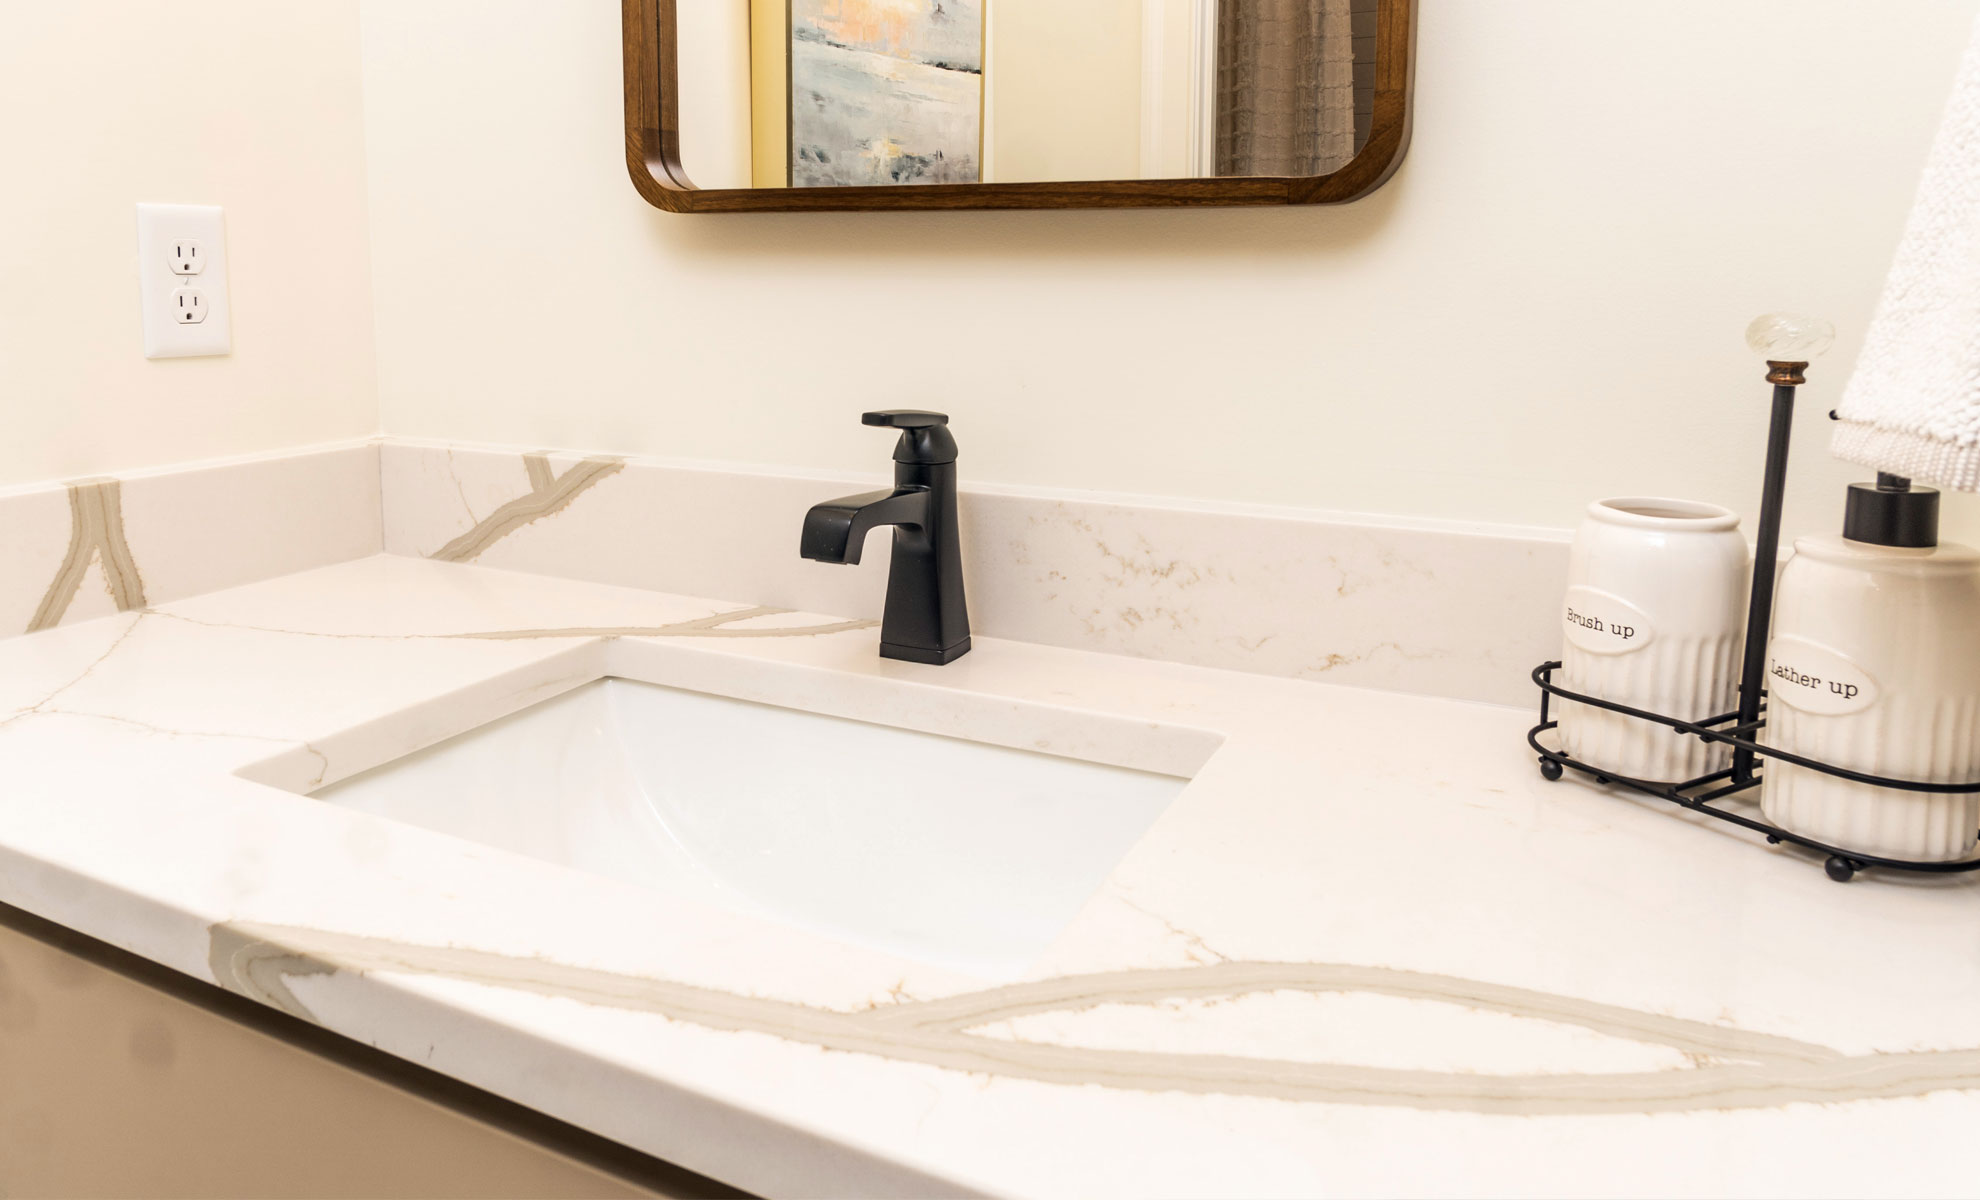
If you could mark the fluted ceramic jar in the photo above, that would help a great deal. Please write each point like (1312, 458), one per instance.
(1652, 619)
(1875, 666)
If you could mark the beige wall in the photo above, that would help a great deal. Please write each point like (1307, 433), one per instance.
(242, 103)
(1545, 306)
(1063, 89)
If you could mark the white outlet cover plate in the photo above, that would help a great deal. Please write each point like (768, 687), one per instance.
(159, 227)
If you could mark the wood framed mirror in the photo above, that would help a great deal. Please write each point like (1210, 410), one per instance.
(870, 105)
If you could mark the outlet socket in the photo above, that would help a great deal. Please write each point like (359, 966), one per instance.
(186, 257)
(182, 280)
(188, 306)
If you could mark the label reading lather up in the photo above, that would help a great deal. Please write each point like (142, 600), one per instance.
(1603, 623)
(1815, 679)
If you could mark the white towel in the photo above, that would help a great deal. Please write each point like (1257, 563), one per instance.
(1913, 406)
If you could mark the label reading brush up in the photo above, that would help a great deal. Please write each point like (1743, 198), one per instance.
(1603, 623)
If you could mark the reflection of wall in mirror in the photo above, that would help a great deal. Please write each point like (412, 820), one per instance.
(1127, 89)
(769, 92)
(1066, 83)
(1178, 63)
(713, 52)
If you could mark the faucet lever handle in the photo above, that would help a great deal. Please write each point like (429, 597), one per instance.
(925, 437)
(905, 418)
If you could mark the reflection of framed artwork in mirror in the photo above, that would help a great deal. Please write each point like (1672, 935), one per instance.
(876, 101)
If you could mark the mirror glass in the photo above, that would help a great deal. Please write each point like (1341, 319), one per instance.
(837, 93)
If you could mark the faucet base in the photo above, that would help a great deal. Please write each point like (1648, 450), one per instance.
(916, 654)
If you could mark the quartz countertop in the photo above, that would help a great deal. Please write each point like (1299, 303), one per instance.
(1368, 949)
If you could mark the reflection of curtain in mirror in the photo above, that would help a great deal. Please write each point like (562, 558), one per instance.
(1285, 86)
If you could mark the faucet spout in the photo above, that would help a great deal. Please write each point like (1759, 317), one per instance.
(927, 620)
(835, 531)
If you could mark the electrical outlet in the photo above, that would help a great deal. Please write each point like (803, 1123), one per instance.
(186, 258)
(188, 306)
(180, 245)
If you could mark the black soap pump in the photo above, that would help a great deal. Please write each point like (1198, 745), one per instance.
(1891, 512)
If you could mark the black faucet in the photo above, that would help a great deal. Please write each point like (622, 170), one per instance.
(926, 620)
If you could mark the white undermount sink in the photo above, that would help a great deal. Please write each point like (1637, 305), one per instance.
(953, 852)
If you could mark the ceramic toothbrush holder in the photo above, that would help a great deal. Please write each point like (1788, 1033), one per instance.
(1652, 619)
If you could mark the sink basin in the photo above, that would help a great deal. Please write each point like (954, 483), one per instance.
(953, 852)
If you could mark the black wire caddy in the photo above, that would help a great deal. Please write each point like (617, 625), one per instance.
(1738, 729)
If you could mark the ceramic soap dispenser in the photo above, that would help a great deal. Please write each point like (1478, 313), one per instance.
(1875, 666)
